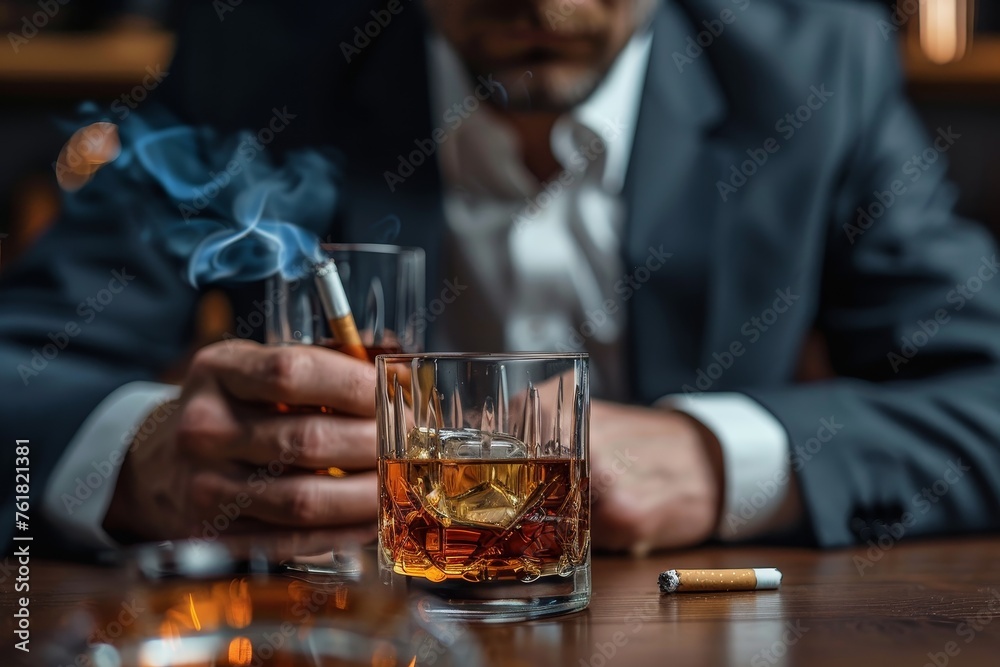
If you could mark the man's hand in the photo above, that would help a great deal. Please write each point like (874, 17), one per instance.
(656, 478)
(226, 451)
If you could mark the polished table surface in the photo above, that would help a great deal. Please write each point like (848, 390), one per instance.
(925, 603)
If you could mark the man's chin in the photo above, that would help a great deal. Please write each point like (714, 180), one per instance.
(547, 87)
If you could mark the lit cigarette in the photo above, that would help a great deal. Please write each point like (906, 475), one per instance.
(699, 581)
(338, 310)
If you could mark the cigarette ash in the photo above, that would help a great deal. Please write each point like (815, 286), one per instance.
(669, 581)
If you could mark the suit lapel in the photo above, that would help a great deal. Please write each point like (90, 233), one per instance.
(672, 203)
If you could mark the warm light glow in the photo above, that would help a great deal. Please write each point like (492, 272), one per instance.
(340, 597)
(332, 471)
(194, 612)
(945, 29)
(240, 652)
(89, 149)
(412, 662)
(239, 610)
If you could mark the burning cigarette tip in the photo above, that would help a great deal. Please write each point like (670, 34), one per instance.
(699, 581)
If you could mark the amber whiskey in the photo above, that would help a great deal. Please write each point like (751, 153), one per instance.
(484, 520)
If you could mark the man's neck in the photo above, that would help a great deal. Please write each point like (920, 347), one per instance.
(534, 130)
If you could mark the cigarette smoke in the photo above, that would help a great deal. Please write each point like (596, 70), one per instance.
(219, 204)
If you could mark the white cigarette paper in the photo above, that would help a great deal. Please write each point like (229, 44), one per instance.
(331, 290)
(338, 309)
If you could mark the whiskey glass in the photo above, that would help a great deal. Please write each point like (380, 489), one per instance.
(484, 471)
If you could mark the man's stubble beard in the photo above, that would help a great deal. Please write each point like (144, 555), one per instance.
(527, 91)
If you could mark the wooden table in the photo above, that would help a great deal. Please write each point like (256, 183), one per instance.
(909, 604)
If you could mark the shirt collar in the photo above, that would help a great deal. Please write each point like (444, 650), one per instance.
(610, 112)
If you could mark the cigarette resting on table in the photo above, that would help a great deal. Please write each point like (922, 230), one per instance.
(698, 581)
(338, 309)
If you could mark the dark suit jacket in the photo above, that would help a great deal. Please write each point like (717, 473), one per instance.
(881, 442)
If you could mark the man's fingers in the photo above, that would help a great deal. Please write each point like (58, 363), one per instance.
(307, 441)
(292, 374)
(300, 501)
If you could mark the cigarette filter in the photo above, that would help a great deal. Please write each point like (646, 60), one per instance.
(338, 309)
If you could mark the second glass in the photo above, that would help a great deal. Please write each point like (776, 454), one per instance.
(385, 287)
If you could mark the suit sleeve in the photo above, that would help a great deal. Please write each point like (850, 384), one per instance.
(910, 442)
(92, 306)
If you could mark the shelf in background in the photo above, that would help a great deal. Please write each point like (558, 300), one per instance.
(61, 64)
(64, 64)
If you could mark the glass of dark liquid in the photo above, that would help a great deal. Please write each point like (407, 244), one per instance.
(484, 483)
(384, 285)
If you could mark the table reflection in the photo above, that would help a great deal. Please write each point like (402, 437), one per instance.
(180, 610)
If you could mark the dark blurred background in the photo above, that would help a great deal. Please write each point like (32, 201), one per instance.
(52, 56)
(55, 55)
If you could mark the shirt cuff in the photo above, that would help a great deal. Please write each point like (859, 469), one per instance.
(754, 454)
(79, 492)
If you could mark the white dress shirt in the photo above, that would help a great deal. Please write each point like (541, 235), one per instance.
(541, 261)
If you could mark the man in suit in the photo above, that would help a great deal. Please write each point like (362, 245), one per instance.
(690, 190)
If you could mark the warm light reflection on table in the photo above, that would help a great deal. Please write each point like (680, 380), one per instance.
(243, 621)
